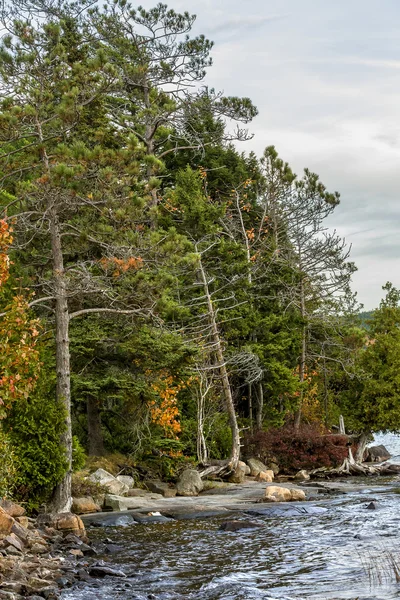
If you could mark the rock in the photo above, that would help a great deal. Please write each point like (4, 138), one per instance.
(237, 525)
(107, 480)
(103, 571)
(297, 495)
(302, 475)
(6, 522)
(160, 487)
(189, 483)
(20, 531)
(127, 480)
(245, 467)
(23, 521)
(377, 454)
(76, 552)
(372, 505)
(13, 540)
(111, 520)
(137, 493)
(64, 522)
(38, 549)
(276, 493)
(101, 476)
(209, 484)
(118, 503)
(239, 475)
(11, 508)
(267, 476)
(274, 467)
(256, 466)
(81, 506)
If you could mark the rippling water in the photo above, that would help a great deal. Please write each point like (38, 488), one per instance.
(340, 553)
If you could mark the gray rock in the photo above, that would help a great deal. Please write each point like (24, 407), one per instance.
(372, 505)
(102, 571)
(121, 503)
(256, 466)
(160, 487)
(245, 467)
(239, 474)
(108, 480)
(127, 480)
(377, 454)
(302, 475)
(238, 525)
(189, 483)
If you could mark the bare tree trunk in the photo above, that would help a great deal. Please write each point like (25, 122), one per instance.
(218, 349)
(62, 494)
(362, 444)
(250, 391)
(95, 434)
(302, 362)
(260, 406)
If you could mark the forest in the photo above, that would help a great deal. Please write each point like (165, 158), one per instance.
(167, 296)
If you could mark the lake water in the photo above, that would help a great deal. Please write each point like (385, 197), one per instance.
(342, 552)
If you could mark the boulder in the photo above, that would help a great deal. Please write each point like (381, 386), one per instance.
(274, 493)
(160, 487)
(189, 483)
(123, 503)
(302, 475)
(372, 505)
(12, 508)
(13, 540)
(256, 466)
(65, 522)
(101, 476)
(23, 521)
(297, 495)
(82, 506)
(237, 525)
(245, 467)
(239, 474)
(377, 454)
(267, 476)
(6, 522)
(127, 480)
(107, 480)
(274, 467)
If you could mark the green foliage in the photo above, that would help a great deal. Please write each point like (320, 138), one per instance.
(34, 428)
(78, 454)
(8, 466)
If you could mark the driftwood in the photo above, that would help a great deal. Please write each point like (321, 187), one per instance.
(352, 467)
(216, 468)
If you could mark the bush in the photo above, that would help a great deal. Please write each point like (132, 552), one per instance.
(34, 427)
(78, 454)
(7, 466)
(82, 487)
(309, 448)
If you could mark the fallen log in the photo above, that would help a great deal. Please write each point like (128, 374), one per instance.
(216, 469)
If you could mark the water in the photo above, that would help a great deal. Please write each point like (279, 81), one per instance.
(339, 553)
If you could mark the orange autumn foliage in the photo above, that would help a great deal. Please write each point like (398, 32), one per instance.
(19, 356)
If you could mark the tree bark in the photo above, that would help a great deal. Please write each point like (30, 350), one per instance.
(62, 500)
(302, 362)
(95, 434)
(362, 444)
(219, 353)
(260, 406)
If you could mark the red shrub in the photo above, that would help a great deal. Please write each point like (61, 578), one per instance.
(308, 448)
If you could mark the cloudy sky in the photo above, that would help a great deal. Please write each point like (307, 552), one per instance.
(326, 79)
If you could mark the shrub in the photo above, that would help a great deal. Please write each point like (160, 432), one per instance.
(82, 487)
(7, 466)
(309, 448)
(78, 454)
(34, 426)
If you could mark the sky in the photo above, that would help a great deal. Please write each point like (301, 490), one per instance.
(325, 77)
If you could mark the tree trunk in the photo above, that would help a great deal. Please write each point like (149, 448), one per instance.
(260, 406)
(362, 444)
(250, 391)
(95, 434)
(62, 494)
(302, 363)
(219, 353)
